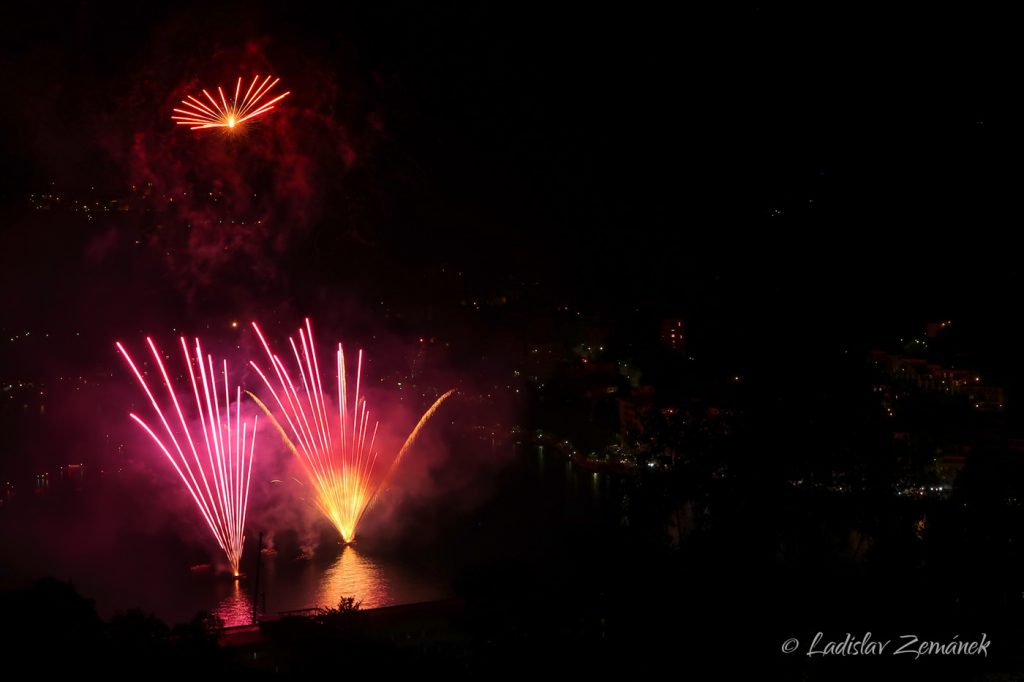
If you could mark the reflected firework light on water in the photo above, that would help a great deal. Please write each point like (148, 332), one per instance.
(200, 115)
(219, 482)
(340, 462)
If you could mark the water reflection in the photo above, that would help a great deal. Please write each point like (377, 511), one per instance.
(236, 607)
(353, 575)
(291, 585)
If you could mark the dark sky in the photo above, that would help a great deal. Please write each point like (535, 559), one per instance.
(799, 186)
(842, 168)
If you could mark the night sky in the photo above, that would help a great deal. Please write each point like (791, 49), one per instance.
(455, 186)
(776, 175)
(797, 186)
(843, 165)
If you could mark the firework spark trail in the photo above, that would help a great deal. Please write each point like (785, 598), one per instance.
(343, 470)
(221, 491)
(199, 115)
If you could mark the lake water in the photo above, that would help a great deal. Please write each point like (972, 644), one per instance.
(293, 585)
(523, 514)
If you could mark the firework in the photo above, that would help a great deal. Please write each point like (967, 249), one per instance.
(219, 481)
(340, 459)
(217, 112)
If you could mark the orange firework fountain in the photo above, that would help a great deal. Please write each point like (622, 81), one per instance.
(199, 115)
(339, 463)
